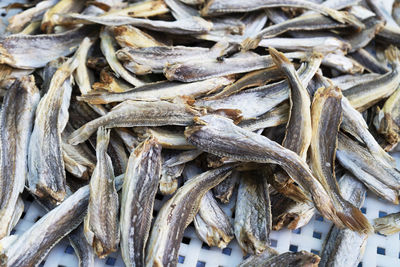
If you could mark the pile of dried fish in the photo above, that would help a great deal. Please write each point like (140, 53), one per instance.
(286, 108)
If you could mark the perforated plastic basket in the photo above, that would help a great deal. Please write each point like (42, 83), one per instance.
(380, 250)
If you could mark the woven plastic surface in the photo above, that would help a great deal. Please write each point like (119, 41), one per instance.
(380, 250)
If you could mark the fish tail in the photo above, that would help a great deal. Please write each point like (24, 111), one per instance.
(249, 43)
(355, 220)
(81, 135)
(103, 138)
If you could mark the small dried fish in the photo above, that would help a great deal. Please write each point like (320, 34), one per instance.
(141, 9)
(160, 90)
(101, 222)
(211, 223)
(30, 248)
(26, 51)
(275, 117)
(16, 120)
(209, 68)
(379, 178)
(46, 177)
(194, 25)
(342, 63)
(365, 95)
(388, 225)
(335, 250)
(369, 62)
(253, 213)
(176, 215)
(139, 113)
(82, 76)
(167, 138)
(138, 194)
(315, 44)
(347, 81)
(129, 36)
(107, 45)
(302, 258)
(82, 249)
(219, 136)
(326, 117)
(359, 40)
(154, 59)
(258, 260)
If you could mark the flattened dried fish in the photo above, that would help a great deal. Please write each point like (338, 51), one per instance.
(314, 44)
(302, 258)
(176, 215)
(138, 194)
(16, 119)
(342, 63)
(167, 138)
(27, 51)
(154, 59)
(253, 213)
(369, 62)
(45, 163)
(223, 191)
(219, 136)
(107, 45)
(209, 68)
(379, 178)
(160, 90)
(258, 260)
(141, 9)
(30, 248)
(373, 25)
(82, 76)
(139, 113)
(82, 249)
(365, 95)
(336, 250)
(193, 25)
(275, 117)
(326, 118)
(101, 222)
(388, 225)
(129, 36)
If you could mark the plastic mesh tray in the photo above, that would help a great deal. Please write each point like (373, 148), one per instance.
(380, 250)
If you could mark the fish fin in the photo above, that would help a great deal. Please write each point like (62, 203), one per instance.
(355, 220)
(346, 17)
(392, 54)
(383, 226)
(80, 135)
(249, 43)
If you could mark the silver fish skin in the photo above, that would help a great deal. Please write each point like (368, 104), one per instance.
(46, 177)
(335, 251)
(138, 113)
(316, 44)
(302, 258)
(160, 90)
(16, 120)
(257, 101)
(342, 63)
(216, 7)
(275, 117)
(176, 215)
(388, 225)
(194, 25)
(369, 62)
(181, 11)
(253, 220)
(359, 40)
(107, 46)
(219, 136)
(208, 68)
(83, 250)
(138, 195)
(347, 81)
(26, 51)
(101, 225)
(167, 138)
(154, 59)
(379, 178)
(30, 248)
(211, 223)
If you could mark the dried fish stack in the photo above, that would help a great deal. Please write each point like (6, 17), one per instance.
(252, 103)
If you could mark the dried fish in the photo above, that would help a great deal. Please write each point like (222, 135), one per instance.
(30, 248)
(16, 119)
(154, 59)
(82, 76)
(342, 63)
(369, 62)
(139, 113)
(302, 258)
(176, 214)
(46, 177)
(359, 40)
(193, 25)
(107, 45)
(26, 51)
(387, 225)
(211, 223)
(326, 117)
(209, 68)
(138, 194)
(129, 36)
(101, 222)
(315, 44)
(253, 213)
(224, 190)
(335, 250)
(82, 249)
(258, 260)
(160, 90)
(379, 178)
(347, 81)
(219, 136)
(167, 138)
(141, 9)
